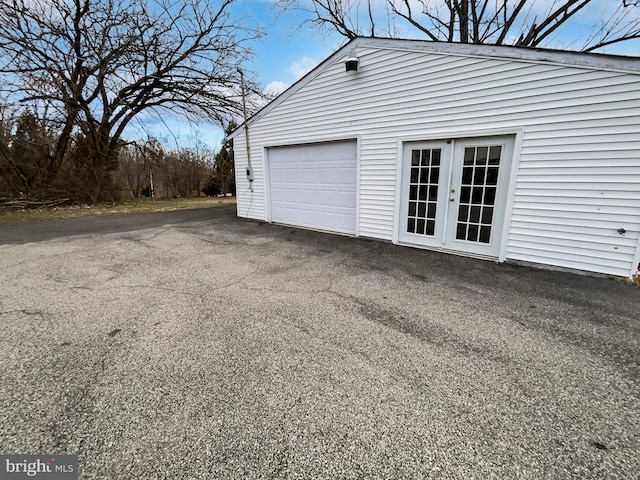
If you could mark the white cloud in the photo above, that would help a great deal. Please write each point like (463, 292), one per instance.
(275, 88)
(301, 68)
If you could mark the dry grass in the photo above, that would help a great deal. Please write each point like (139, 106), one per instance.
(135, 205)
(628, 281)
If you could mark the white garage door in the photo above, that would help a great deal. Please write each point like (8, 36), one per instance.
(314, 186)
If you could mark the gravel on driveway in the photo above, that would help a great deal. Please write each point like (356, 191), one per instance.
(225, 348)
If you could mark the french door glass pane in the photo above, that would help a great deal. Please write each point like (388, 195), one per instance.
(423, 191)
(478, 193)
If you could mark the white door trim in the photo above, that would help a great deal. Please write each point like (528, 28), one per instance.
(511, 194)
(635, 265)
(509, 166)
(358, 140)
(267, 184)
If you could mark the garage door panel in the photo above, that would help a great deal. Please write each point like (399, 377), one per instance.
(277, 175)
(308, 198)
(314, 186)
(277, 198)
(308, 175)
(327, 176)
(327, 199)
(291, 174)
(346, 176)
(345, 201)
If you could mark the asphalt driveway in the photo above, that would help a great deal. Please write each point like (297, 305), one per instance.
(199, 345)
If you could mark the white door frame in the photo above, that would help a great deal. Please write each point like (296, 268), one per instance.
(510, 176)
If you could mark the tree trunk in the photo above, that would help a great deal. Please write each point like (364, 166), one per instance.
(463, 13)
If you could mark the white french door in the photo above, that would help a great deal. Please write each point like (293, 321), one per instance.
(454, 193)
(426, 168)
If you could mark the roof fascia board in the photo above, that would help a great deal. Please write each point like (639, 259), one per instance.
(599, 61)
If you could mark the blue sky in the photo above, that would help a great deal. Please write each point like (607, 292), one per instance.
(282, 56)
(289, 50)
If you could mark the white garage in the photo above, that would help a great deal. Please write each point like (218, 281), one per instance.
(502, 153)
(314, 185)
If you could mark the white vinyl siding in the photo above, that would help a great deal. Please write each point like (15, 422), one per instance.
(578, 179)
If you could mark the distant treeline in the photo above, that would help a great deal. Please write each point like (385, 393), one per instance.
(30, 170)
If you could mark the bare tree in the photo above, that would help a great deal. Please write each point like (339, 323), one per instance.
(99, 64)
(525, 23)
(133, 169)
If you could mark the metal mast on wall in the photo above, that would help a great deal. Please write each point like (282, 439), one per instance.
(246, 131)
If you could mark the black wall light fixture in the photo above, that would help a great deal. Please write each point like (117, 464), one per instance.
(352, 62)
